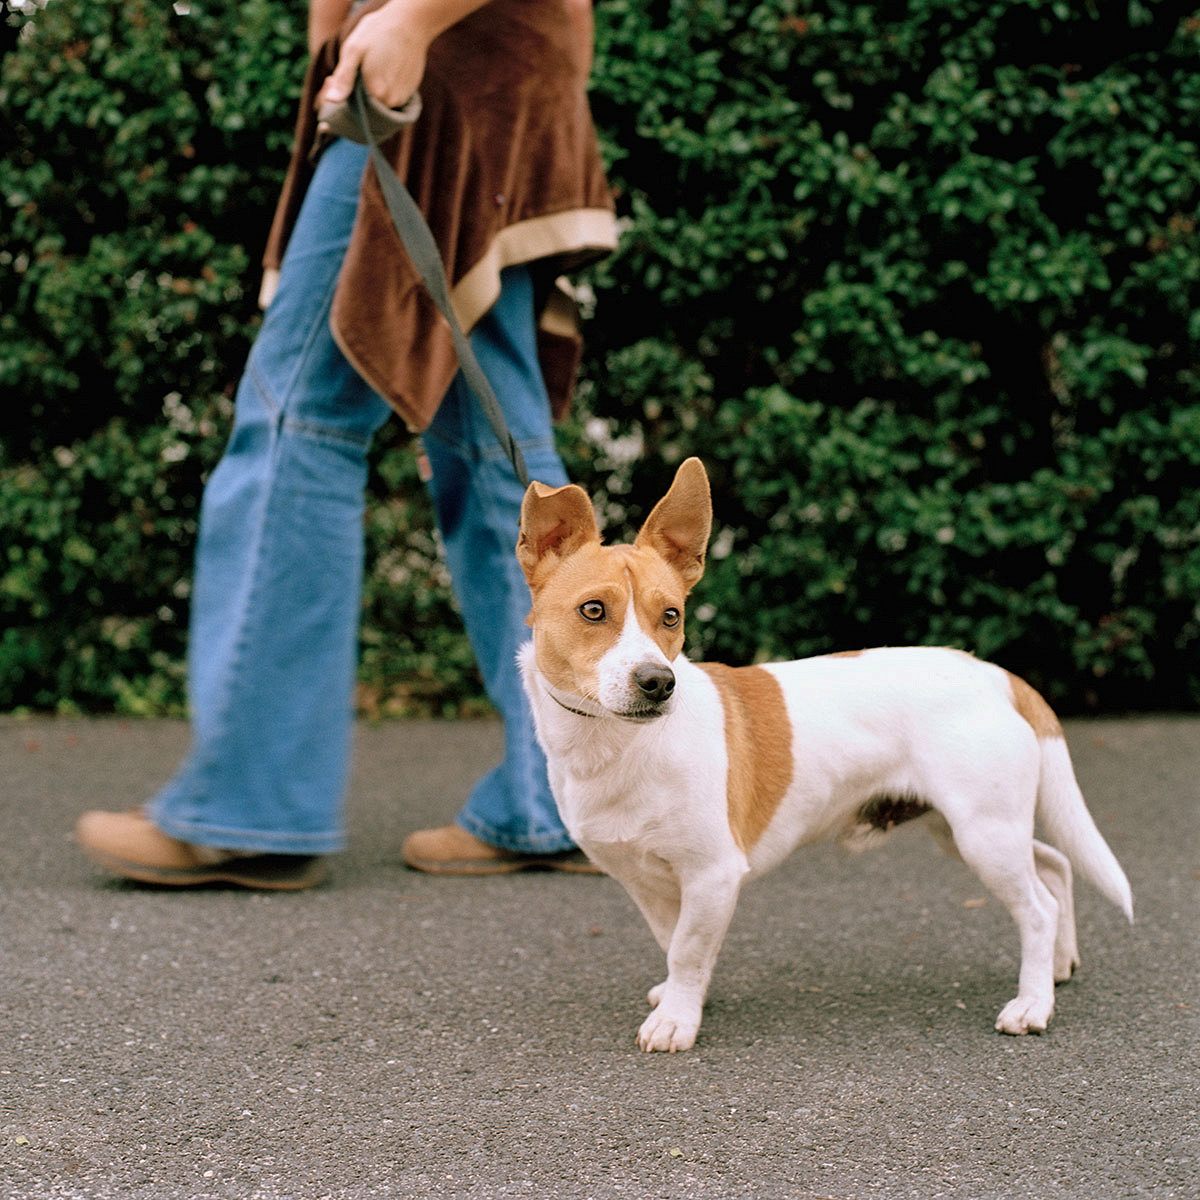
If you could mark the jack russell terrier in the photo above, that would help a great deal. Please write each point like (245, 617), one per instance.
(682, 780)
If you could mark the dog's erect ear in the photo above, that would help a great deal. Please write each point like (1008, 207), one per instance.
(555, 522)
(679, 525)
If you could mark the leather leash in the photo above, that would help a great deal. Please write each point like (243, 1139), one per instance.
(417, 239)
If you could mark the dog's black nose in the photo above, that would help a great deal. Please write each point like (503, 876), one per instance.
(655, 682)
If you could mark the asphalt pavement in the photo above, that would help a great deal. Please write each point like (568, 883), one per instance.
(398, 1035)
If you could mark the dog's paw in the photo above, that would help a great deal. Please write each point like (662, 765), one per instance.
(655, 994)
(1025, 1014)
(666, 1031)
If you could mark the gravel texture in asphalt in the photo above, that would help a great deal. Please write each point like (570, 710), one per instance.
(398, 1035)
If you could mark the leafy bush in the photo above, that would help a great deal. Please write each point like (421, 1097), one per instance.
(920, 283)
(134, 204)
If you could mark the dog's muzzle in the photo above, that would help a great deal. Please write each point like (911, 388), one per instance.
(654, 682)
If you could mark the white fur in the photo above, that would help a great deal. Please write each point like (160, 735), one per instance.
(632, 648)
(647, 799)
(648, 804)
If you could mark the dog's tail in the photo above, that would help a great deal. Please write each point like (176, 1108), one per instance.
(1067, 824)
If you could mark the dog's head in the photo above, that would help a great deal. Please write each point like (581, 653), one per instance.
(608, 620)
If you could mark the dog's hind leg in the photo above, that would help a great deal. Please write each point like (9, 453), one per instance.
(1054, 869)
(938, 828)
(1002, 855)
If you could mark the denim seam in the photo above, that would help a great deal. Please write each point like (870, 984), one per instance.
(277, 405)
(324, 433)
(259, 381)
(301, 364)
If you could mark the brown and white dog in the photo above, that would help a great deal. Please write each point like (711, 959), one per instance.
(682, 780)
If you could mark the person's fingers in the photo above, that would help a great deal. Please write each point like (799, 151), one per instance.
(340, 83)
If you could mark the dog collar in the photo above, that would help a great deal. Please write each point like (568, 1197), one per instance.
(577, 711)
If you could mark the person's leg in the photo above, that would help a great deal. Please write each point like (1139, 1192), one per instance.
(276, 597)
(477, 499)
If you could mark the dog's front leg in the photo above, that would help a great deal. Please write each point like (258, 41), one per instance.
(658, 900)
(706, 907)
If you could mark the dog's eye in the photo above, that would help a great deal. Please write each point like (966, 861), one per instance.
(671, 618)
(592, 610)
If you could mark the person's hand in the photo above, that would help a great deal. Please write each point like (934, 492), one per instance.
(389, 46)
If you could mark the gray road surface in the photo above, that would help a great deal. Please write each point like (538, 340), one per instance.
(397, 1035)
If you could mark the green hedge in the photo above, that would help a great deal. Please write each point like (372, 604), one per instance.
(920, 283)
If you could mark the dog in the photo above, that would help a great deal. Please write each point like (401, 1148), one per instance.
(683, 780)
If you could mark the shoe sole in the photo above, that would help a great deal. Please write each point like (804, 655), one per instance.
(264, 872)
(577, 865)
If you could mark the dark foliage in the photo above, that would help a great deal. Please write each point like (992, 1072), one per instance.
(920, 282)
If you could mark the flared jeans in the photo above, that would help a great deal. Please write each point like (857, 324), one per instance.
(276, 598)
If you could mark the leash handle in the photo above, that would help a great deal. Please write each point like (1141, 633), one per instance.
(417, 239)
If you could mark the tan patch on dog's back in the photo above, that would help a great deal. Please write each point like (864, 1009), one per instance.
(1033, 708)
(758, 736)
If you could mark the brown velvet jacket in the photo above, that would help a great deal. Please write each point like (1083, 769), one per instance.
(504, 163)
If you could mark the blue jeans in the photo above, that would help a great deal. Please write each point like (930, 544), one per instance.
(278, 579)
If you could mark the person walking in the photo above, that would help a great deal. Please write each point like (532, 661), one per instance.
(504, 162)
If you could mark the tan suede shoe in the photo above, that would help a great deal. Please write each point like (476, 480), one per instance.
(130, 845)
(451, 850)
